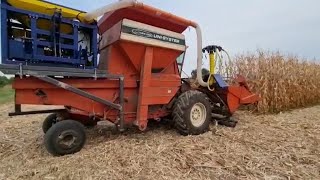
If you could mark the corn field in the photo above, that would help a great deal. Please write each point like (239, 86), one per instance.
(283, 82)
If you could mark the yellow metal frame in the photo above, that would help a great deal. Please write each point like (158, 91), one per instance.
(47, 8)
(212, 63)
(212, 68)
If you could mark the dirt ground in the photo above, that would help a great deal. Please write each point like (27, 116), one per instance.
(283, 146)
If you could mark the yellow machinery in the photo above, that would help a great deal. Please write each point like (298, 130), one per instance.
(48, 8)
(44, 7)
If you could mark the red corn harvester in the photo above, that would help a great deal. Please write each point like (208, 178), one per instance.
(137, 79)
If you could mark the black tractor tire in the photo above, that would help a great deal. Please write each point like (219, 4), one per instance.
(49, 121)
(186, 113)
(65, 137)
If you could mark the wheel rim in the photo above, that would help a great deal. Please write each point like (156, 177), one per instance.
(68, 139)
(198, 114)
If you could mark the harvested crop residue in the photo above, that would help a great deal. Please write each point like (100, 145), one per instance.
(279, 146)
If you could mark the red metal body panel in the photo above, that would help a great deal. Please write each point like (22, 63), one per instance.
(240, 95)
(33, 91)
(143, 16)
(151, 79)
(151, 75)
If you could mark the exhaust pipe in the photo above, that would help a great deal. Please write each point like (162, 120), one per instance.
(199, 55)
(121, 4)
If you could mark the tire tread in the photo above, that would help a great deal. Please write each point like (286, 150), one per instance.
(183, 103)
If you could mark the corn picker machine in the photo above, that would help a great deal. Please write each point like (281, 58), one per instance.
(124, 69)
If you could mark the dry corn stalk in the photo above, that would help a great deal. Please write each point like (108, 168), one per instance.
(283, 82)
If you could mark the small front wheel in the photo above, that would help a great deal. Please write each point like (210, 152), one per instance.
(65, 137)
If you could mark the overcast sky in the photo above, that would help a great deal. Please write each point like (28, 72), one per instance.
(291, 26)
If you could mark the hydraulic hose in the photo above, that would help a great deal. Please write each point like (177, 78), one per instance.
(215, 54)
(229, 59)
(134, 3)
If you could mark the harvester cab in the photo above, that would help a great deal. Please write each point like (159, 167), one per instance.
(53, 52)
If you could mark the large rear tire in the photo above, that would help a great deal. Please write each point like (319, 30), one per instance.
(65, 137)
(192, 113)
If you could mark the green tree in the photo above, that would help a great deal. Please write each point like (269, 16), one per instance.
(4, 81)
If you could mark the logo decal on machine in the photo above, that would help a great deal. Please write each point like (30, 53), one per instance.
(144, 33)
(152, 35)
